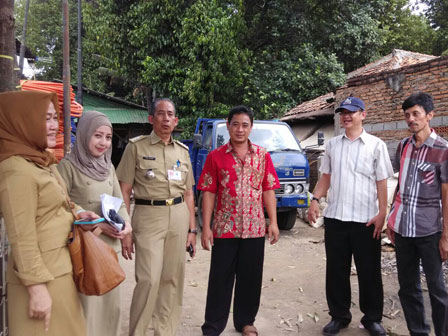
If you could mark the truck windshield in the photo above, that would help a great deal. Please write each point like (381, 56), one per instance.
(271, 136)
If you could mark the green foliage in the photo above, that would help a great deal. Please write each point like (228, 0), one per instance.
(279, 81)
(213, 54)
(208, 55)
(44, 34)
(404, 30)
(437, 14)
(346, 28)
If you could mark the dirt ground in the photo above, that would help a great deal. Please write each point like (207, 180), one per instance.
(293, 295)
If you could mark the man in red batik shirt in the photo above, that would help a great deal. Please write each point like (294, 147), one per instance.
(237, 179)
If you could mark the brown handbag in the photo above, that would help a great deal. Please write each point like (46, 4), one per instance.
(96, 270)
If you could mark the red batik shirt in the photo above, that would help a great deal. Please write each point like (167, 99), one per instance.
(238, 187)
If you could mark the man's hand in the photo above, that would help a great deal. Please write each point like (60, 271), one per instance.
(191, 239)
(443, 247)
(40, 304)
(206, 238)
(127, 247)
(391, 235)
(127, 229)
(313, 212)
(273, 233)
(378, 222)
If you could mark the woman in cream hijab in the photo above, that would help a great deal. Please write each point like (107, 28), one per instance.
(42, 297)
(88, 173)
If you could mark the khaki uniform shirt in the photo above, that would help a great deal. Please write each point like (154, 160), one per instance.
(145, 165)
(85, 192)
(38, 221)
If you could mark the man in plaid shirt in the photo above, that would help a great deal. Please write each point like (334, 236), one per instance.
(418, 221)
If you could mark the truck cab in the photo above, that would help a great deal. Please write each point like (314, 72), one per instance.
(287, 156)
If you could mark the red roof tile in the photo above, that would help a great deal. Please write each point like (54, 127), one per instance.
(397, 59)
(319, 106)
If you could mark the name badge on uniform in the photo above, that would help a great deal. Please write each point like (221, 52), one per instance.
(174, 175)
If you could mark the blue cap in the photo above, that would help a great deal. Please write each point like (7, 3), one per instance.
(352, 104)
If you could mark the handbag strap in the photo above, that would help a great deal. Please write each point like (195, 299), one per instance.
(96, 229)
(70, 203)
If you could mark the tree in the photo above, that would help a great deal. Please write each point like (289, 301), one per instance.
(191, 51)
(208, 55)
(402, 29)
(437, 14)
(8, 78)
(44, 34)
(280, 81)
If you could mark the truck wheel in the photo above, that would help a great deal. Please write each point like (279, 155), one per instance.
(286, 219)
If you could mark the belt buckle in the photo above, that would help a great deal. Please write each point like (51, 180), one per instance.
(170, 201)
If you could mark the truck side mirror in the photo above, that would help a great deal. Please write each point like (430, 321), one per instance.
(197, 141)
(320, 138)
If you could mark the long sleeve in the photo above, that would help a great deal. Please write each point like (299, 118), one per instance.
(19, 194)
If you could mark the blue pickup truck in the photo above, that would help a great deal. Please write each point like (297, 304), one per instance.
(288, 157)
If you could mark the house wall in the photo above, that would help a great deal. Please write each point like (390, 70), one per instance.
(384, 93)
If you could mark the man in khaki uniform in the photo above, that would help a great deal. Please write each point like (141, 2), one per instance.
(158, 168)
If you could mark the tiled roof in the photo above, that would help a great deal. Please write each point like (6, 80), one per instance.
(319, 106)
(397, 59)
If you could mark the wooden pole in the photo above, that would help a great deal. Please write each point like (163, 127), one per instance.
(79, 95)
(66, 78)
(8, 64)
(23, 43)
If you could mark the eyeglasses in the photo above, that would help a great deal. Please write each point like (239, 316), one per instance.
(349, 112)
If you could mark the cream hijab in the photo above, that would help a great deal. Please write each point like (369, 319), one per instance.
(23, 129)
(95, 168)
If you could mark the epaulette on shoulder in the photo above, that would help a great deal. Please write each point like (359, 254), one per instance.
(138, 138)
(181, 144)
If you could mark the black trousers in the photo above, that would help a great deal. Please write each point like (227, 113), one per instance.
(342, 241)
(238, 261)
(409, 252)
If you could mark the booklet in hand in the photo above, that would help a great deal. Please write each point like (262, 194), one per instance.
(116, 220)
(110, 206)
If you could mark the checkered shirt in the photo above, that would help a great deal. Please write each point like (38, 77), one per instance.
(417, 208)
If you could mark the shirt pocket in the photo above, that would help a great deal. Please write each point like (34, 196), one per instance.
(255, 181)
(365, 165)
(183, 169)
(183, 174)
(426, 174)
(145, 167)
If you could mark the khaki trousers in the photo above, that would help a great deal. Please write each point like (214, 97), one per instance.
(66, 312)
(160, 235)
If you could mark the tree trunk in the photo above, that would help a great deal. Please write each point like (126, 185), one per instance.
(8, 76)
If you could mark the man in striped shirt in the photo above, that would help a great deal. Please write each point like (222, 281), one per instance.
(418, 221)
(355, 168)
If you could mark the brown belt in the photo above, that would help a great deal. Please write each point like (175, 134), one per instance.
(171, 201)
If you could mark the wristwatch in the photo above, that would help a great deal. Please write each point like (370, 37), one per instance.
(195, 231)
